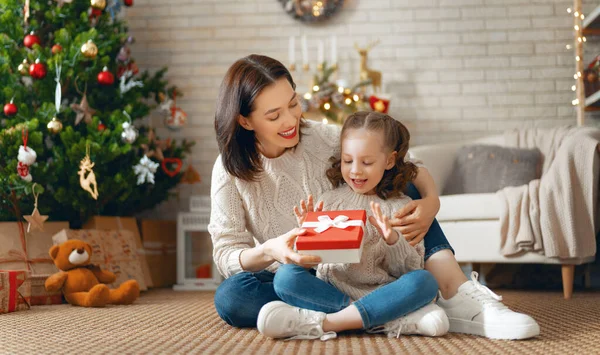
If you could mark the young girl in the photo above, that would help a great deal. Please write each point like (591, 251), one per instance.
(388, 290)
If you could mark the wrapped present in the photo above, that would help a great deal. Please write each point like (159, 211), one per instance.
(40, 296)
(15, 290)
(20, 250)
(335, 236)
(112, 250)
(124, 223)
(160, 248)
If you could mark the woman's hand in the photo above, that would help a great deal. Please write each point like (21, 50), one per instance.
(414, 219)
(282, 249)
(306, 207)
(383, 225)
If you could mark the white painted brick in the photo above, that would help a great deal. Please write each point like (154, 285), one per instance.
(544, 99)
(461, 26)
(412, 27)
(441, 63)
(459, 3)
(483, 12)
(461, 75)
(537, 86)
(485, 113)
(511, 48)
(463, 101)
(510, 100)
(464, 50)
(485, 87)
(390, 15)
(436, 38)
(418, 52)
(484, 37)
(486, 62)
(507, 74)
(413, 4)
(532, 61)
(508, 24)
(379, 4)
(552, 47)
(236, 8)
(439, 114)
(371, 28)
(533, 10)
(548, 73)
(552, 22)
(258, 20)
(179, 10)
(538, 112)
(436, 89)
(531, 36)
(431, 14)
(212, 21)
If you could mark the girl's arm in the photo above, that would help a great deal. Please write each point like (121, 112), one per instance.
(414, 219)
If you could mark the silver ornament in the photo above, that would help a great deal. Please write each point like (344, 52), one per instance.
(129, 134)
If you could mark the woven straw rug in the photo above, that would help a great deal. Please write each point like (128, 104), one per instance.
(165, 321)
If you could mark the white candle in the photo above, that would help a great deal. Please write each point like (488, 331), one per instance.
(333, 50)
(304, 51)
(292, 50)
(320, 52)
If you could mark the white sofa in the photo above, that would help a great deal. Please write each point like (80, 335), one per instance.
(471, 222)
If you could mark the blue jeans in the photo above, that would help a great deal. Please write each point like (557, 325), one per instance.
(299, 287)
(239, 298)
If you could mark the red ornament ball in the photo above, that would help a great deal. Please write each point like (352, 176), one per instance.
(57, 48)
(128, 2)
(101, 127)
(31, 39)
(37, 70)
(10, 109)
(105, 77)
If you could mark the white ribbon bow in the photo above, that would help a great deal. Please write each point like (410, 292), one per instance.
(325, 222)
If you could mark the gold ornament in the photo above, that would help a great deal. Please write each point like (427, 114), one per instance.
(379, 106)
(35, 219)
(89, 49)
(54, 126)
(88, 183)
(98, 4)
(23, 67)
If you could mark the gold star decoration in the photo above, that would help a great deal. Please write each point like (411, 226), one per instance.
(190, 176)
(84, 111)
(157, 146)
(62, 2)
(35, 219)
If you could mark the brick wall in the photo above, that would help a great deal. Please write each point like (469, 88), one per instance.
(455, 69)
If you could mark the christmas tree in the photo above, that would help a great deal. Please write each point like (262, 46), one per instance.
(74, 108)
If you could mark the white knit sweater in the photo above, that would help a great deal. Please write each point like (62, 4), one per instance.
(245, 214)
(380, 263)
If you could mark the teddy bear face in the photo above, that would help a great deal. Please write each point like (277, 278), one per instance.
(71, 254)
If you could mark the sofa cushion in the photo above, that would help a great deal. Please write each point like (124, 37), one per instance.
(469, 207)
(489, 168)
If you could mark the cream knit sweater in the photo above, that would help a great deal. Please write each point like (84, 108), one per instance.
(245, 214)
(380, 263)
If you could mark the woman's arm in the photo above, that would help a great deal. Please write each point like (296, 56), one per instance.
(414, 219)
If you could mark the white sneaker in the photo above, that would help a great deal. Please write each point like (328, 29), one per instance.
(475, 309)
(280, 320)
(430, 320)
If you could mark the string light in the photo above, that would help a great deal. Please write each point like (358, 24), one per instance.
(325, 121)
(582, 17)
(348, 101)
(577, 58)
(584, 39)
(327, 106)
(575, 102)
(576, 14)
(316, 88)
(340, 89)
(576, 28)
(355, 98)
(575, 76)
(579, 74)
(308, 96)
(573, 88)
(569, 10)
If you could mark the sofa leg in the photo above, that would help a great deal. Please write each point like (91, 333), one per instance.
(568, 273)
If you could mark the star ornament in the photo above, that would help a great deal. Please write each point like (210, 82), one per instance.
(83, 110)
(36, 220)
(157, 152)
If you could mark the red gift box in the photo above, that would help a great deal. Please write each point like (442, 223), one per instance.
(15, 290)
(335, 236)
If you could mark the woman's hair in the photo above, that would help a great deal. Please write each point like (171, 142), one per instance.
(396, 137)
(244, 81)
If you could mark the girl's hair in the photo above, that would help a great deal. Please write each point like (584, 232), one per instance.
(396, 137)
(244, 81)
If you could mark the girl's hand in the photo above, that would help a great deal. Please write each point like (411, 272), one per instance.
(282, 249)
(306, 207)
(414, 219)
(383, 225)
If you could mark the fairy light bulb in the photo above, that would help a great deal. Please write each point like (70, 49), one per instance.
(575, 102)
(327, 106)
(574, 76)
(579, 74)
(355, 97)
(576, 28)
(348, 101)
(325, 121)
(316, 88)
(576, 14)
(582, 16)
(308, 96)
(579, 39)
(578, 58)
(340, 89)
(573, 88)
(584, 39)
(569, 10)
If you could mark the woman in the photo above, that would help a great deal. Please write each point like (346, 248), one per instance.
(271, 159)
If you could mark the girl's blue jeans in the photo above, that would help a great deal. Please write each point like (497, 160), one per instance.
(239, 298)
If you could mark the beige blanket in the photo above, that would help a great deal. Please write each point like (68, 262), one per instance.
(556, 215)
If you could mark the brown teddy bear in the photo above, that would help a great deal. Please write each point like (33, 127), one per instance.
(83, 283)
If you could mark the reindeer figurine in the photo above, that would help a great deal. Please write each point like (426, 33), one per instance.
(88, 183)
(365, 73)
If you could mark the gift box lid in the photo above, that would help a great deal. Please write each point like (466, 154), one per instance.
(333, 237)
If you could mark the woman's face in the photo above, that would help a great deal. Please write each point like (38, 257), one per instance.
(275, 119)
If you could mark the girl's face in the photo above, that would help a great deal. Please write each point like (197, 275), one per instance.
(365, 159)
(275, 119)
